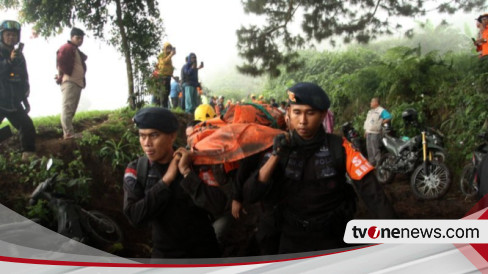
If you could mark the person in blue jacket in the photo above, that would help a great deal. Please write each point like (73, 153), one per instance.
(191, 83)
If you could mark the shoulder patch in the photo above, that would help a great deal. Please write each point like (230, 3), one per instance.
(131, 173)
(356, 165)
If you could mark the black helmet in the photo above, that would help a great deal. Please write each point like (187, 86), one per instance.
(9, 25)
(409, 116)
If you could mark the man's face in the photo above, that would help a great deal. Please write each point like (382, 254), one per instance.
(305, 120)
(374, 103)
(484, 20)
(10, 38)
(77, 40)
(193, 59)
(157, 146)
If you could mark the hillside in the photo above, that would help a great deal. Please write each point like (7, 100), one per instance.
(97, 162)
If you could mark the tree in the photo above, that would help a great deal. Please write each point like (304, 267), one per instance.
(136, 26)
(264, 48)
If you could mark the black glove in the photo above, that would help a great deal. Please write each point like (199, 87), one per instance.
(281, 145)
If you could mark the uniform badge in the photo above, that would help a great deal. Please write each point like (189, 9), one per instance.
(291, 96)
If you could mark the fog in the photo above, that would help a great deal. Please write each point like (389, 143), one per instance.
(206, 28)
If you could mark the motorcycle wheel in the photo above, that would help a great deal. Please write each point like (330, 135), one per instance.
(432, 186)
(102, 228)
(467, 183)
(439, 156)
(383, 171)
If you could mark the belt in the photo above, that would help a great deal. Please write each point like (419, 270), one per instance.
(308, 224)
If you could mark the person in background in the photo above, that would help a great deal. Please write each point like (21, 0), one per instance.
(273, 103)
(377, 115)
(71, 76)
(479, 34)
(14, 87)
(253, 99)
(174, 92)
(328, 122)
(481, 43)
(165, 72)
(282, 107)
(219, 108)
(183, 81)
(191, 83)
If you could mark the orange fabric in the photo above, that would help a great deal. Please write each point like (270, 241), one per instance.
(231, 143)
(204, 129)
(484, 46)
(251, 114)
(244, 130)
(230, 166)
(356, 165)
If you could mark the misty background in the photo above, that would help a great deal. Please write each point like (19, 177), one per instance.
(206, 28)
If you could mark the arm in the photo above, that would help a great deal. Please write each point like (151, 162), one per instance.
(246, 167)
(5, 65)
(65, 59)
(374, 197)
(140, 207)
(385, 115)
(259, 182)
(165, 59)
(210, 198)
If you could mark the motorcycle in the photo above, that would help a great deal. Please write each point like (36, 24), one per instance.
(352, 135)
(72, 220)
(469, 182)
(421, 156)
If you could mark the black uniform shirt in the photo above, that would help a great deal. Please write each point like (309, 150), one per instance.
(180, 228)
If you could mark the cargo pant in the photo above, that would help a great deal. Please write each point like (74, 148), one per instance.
(71, 93)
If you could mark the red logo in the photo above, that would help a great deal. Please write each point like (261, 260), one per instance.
(373, 232)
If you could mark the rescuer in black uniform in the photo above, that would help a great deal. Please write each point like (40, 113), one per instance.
(153, 193)
(305, 178)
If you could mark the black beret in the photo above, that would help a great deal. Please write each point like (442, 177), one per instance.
(156, 118)
(308, 94)
(77, 31)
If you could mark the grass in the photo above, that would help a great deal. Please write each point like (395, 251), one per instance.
(54, 121)
(117, 119)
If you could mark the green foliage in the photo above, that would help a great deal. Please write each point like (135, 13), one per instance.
(89, 140)
(447, 89)
(40, 211)
(273, 44)
(136, 27)
(122, 151)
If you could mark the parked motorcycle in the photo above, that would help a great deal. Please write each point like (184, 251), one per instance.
(421, 156)
(72, 220)
(469, 182)
(352, 135)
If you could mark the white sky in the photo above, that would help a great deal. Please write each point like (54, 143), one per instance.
(206, 28)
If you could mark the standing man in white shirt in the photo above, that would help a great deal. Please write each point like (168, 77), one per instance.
(377, 116)
(71, 67)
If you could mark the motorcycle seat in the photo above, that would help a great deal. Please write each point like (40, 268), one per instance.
(396, 145)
